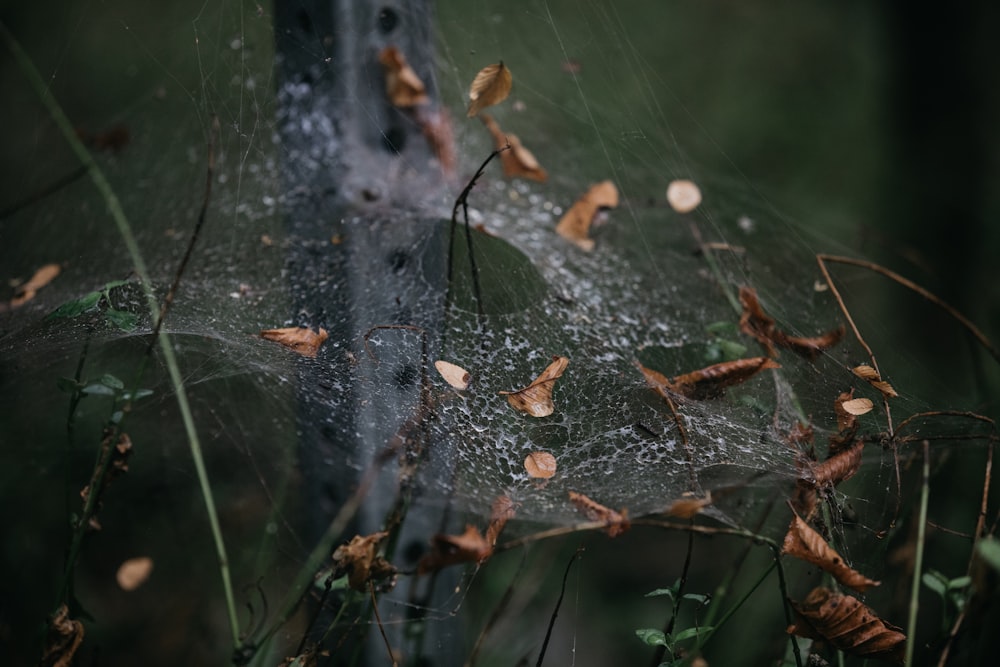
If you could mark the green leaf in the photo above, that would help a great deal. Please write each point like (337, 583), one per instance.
(688, 633)
(935, 581)
(97, 389)
(77, 306)
(722, 327)
(139, 393)
(696, 597)
(669, 592)
(122, 319)
(959, 583)
(109, 380)
(988, 549)
(652, 637)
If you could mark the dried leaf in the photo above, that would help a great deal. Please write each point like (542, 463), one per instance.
(62, 639)
(541, 465)
(402, 85)
(469, 547)
(711, 381)
(454, 375)
(27, 291)
(805, 498)
(839, 467)
(871, 376)
(359, 560)
(518, 161)
(857, 406)
(536, 398)
(436, 127)
(811, 347)
(134, 572)
(616, 522)
(848, 624)
(575, 224)
(847, 423)
(683, 195)
(804, 543)
(301, 340)
(758, 324)
(687, 508)
(491, 86)
(502, 511)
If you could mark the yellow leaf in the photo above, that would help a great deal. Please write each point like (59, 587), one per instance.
(491, 86)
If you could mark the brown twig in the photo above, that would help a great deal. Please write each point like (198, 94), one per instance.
(555, 612)
(378, 619)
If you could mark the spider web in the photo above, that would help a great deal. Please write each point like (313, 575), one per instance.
(307, 226)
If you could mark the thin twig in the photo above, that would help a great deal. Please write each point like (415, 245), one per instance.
(463, 202)
(378, 619)
(555, 612)
(918, 566)
(495, 615)
(910, 285)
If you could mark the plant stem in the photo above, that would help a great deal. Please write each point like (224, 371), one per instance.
(911, 626)
(125, 230)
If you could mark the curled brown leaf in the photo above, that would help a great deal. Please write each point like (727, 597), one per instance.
(848, 624)
(491, 86)
(301, 340)
(687, 508)
(575, 224)
(756, 323)
(518, 161)
(502, 511)
(708, 382)
(536, 398)
(615, 523)
(839, 467)
(804, 543)
(359, 560)
(402, 85)
(857, 406)
(62, 639)
(469, 547)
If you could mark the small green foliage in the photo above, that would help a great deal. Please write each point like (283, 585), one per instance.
(652, 637)
(988, 549)
(720, 346)
(954, 593)
(92, 301)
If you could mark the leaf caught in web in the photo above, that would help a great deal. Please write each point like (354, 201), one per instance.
(469, 547)
(402, 85)
(502, 510)
(616, 522)
(491, 86)
(857, 406)
(27, 291)
(687, 508)
(683, 195)
(708, 382)
(541, 465)
(848, 624)
(575, 224)
(761, 326)
(359, 560)
(804, 543)
(301, 340)
(871, 376)
(453, 374)
(536, 398)
(134, 572)
(518, 161)
(62, 639)
(839, 467)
